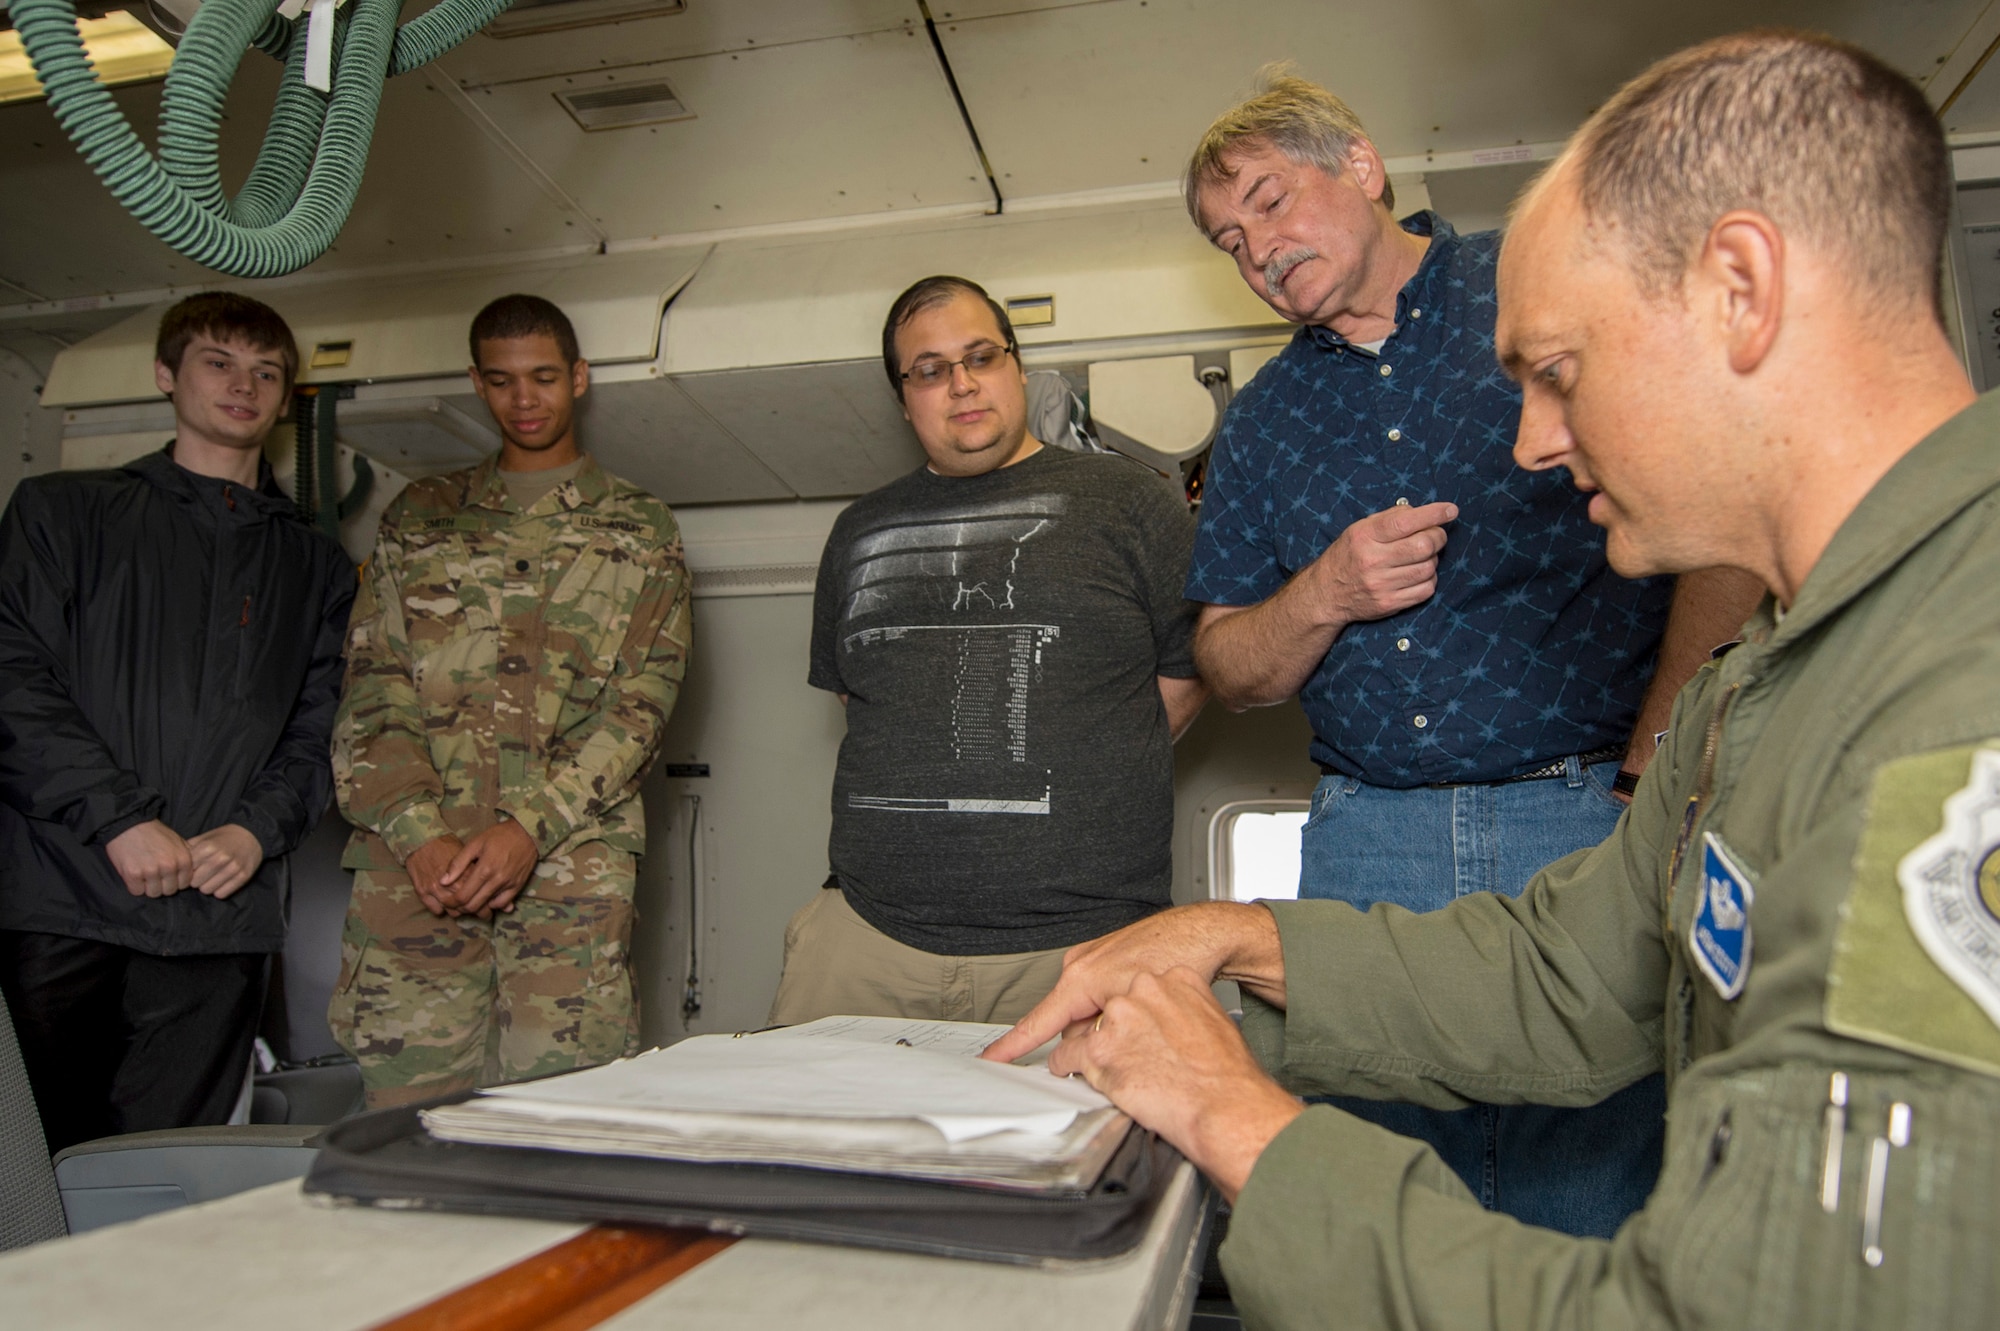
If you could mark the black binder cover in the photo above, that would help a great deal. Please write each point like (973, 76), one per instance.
(386, 1158)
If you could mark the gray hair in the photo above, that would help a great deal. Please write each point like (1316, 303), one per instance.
(1827, 141)
(1299, 118)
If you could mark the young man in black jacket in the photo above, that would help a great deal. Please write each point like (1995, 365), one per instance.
(170, 660)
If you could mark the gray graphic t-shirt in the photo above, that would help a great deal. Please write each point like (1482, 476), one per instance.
(1006, 783)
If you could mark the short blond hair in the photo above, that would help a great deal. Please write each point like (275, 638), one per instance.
(1818, 135)
(1299, 118)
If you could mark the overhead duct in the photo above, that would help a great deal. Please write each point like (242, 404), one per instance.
(298, 194)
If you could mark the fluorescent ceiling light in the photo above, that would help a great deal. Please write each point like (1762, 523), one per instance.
(123, 49)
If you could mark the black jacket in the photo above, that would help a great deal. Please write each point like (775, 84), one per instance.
(170, 648)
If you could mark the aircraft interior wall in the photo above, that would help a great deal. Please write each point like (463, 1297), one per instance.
(30, 436)
(824, 162)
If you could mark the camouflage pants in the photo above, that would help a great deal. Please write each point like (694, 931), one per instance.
(545, 987)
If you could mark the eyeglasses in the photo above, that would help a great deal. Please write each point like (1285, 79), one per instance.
(931, 373)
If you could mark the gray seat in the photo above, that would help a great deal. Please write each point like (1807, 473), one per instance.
(316, 1093)
(122, 1178)
(316, 1081)
(115, 1179)
(30, 1207)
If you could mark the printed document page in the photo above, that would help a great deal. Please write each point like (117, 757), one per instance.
(861, 1093)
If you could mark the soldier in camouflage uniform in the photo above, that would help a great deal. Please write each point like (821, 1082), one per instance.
(516, 649)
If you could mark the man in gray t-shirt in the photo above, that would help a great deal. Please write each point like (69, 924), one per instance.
(1007, 631)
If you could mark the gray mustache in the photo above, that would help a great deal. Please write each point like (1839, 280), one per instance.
(1280, 267)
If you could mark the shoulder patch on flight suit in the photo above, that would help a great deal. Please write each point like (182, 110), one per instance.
(1916, 962)
(1951, 887)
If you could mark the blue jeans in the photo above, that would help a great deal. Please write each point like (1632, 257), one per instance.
(1582, 1171)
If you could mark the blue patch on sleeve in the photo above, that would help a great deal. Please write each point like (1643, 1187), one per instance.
(1720, 939)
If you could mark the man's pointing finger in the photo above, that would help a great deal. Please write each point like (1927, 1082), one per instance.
(1046, 1020)
(1402, 520)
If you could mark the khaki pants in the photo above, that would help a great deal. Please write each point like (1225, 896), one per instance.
(430, 1004)
(838, 964)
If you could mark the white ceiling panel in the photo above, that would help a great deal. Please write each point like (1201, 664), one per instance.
(438, 189)
(1975, 80)
(408, 327)
(704, 28)
(1092, 96)
(1130, 273)
(1977, 111)
(811, 110)
(944, 10)
(1477, 200)
(647, 431)
(826, 430)
(39, 341)
(61, 233)
(851, 125)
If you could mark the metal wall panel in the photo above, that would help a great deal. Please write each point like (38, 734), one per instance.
(1087, 97)
(650, 433)
(825, 430)
(860, 124)
(706, 27)
(1132, 272)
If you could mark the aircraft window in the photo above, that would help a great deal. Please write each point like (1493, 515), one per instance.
(1254, 850)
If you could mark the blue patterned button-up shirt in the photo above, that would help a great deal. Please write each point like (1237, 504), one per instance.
(1532, 648)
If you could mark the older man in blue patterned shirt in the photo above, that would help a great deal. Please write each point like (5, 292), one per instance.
(1475, 674)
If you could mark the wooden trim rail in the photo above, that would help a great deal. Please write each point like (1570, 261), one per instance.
(570, 1287)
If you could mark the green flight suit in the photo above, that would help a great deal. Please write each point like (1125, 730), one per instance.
(503, 662)
(1818, 754)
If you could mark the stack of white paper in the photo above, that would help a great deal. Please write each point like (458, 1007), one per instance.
(869, 1094)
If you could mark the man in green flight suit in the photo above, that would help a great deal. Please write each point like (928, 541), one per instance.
(1722, 305)
(516, 649)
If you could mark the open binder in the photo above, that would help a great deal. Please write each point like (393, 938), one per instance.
(878, 1132)
(387, 1158)
(869, 1095)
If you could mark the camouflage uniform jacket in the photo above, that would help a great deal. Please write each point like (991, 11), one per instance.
(510, 662)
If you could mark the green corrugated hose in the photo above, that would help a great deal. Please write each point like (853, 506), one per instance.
(298, 194)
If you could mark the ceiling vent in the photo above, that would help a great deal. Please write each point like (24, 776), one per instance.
(528, 16)
(624, 104)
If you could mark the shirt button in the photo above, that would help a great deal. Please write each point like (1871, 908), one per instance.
(1421, 721)
(1416, 314)
(1384, 372)
(1403, 645)
(520, 566)
(1394, 435)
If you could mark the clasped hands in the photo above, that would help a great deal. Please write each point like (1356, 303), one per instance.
(1140, 1023)
(475, 877)
(156, 861)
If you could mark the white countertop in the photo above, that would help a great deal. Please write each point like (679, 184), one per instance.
(270, 1258)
